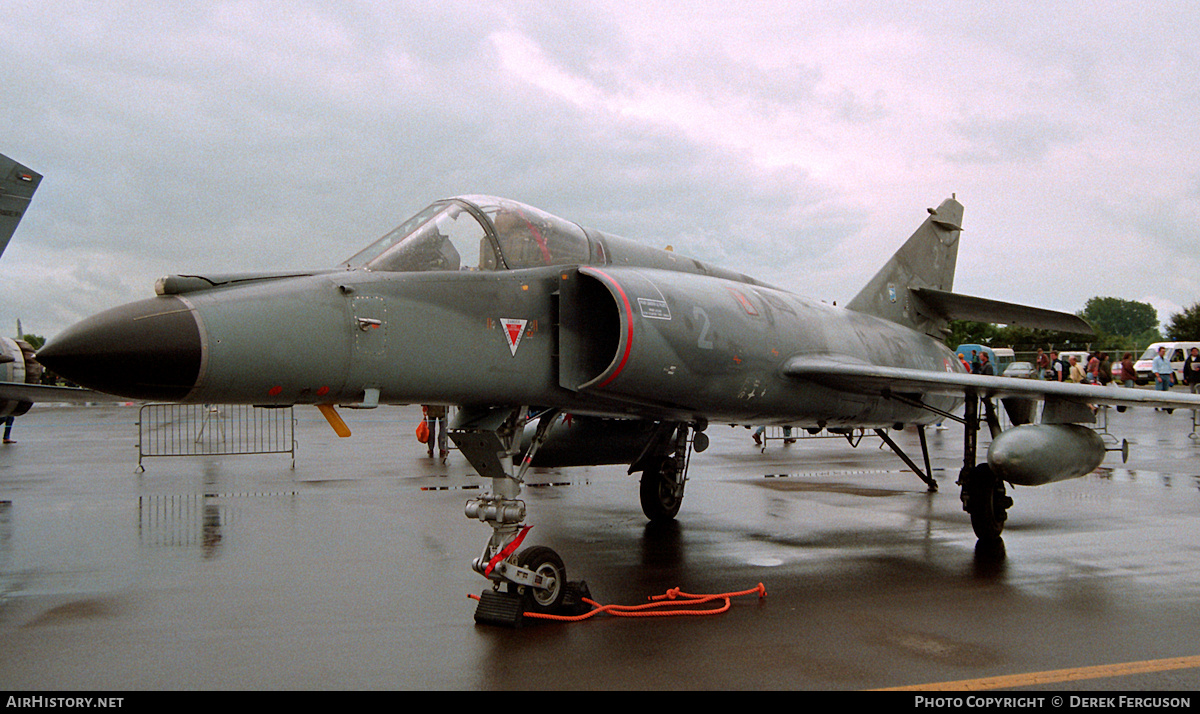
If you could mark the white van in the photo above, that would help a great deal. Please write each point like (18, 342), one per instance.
(1004, 357)
(1177, 352)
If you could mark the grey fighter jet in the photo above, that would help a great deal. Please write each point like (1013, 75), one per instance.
(522, 318)
(18, 368)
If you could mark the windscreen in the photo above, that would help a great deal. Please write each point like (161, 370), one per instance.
(444, 236)
(448, 236)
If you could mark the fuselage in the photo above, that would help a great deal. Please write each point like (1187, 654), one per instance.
(610, 328)
(609, 340)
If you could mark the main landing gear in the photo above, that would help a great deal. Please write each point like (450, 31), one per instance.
(664, 465)
(984, 498)
(983, 495)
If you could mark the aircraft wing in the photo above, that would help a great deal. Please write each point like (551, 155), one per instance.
(871, 379)
(43, 393)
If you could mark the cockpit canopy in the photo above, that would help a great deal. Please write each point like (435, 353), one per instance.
(476, 233)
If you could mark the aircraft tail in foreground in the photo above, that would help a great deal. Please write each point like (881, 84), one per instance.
(17, 185)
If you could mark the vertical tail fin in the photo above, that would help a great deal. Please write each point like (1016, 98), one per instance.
(926, 260)
(17, 184)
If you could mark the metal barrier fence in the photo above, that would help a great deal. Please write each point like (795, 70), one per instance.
(214, 430)
(788, 435)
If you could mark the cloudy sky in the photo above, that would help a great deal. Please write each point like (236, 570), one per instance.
(799, 142)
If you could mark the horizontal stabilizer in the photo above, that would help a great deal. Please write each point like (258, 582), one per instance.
(953, 306)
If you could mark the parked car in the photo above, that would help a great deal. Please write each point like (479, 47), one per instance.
(1020, 370)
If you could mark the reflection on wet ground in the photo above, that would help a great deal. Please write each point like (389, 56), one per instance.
(797, 484)
(351, 570)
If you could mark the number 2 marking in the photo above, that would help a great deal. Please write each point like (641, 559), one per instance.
(703, 342)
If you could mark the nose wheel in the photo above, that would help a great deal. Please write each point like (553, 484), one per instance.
(532, 580)
(551, 579)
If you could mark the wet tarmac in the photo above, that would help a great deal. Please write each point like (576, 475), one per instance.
(350, 571)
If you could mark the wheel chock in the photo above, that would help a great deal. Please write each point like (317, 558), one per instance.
(573, 603)
(507, 609)
(501, 609)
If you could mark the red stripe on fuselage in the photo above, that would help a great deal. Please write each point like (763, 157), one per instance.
(628, 322)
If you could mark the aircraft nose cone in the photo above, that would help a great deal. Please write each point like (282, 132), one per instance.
(148, 350)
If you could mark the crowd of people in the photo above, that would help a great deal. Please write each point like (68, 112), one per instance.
(1097, 368)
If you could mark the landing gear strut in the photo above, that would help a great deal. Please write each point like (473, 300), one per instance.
(533, 579)
(664, 466)
(983, 495)
(927, 474)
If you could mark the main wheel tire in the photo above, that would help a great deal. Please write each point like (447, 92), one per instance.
(657, 492)
(987, 503)
(544, 562)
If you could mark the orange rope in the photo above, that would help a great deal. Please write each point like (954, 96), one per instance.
(656, 601)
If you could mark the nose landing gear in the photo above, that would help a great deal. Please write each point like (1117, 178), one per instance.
(533, 579)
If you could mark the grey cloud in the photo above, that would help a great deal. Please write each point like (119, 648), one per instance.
(1024, 138)
(287, 135)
